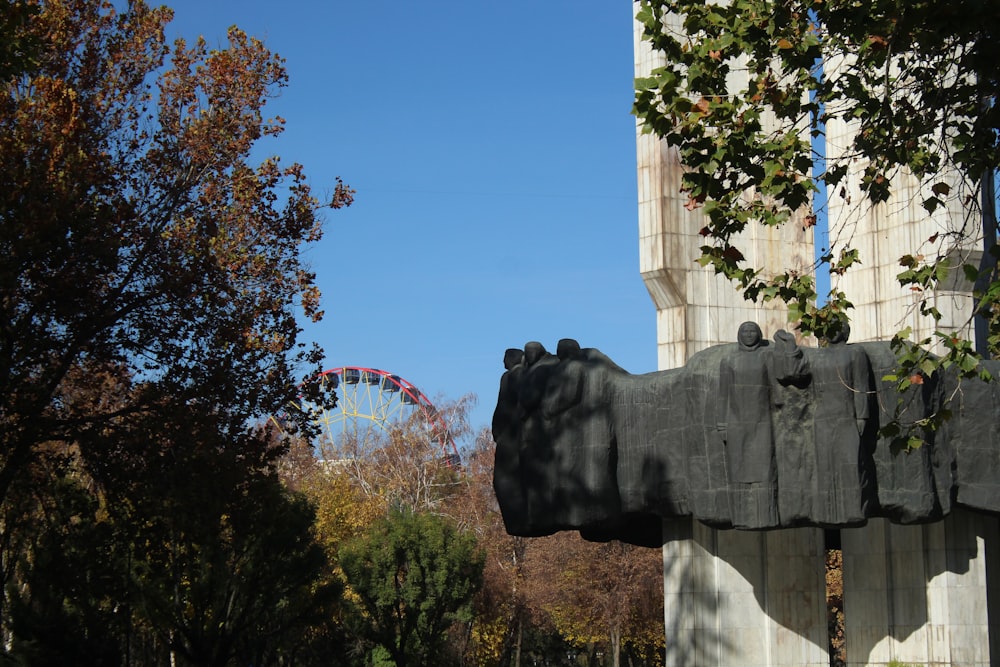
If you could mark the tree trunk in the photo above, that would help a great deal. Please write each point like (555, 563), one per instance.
(616, 645)
(517, 646)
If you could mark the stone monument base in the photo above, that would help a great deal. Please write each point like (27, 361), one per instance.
(924, 594)
(744, 599)
(913, 594)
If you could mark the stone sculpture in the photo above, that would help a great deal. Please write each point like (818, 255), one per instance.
(744, 421)
(754, 435)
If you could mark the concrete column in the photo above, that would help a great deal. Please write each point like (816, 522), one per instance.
(743, 598)
(920, 594)
(731, 599)
(695, 307)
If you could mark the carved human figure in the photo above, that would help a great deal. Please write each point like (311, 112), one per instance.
(538, 364)
(538, 441)
(790, 367)
(744, 418)
(507, 435)
(841, 395)
(566, 386)
(792, 423)
(575, 409)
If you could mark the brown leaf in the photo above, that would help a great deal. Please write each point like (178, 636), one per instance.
(732, 254)
(877, 41)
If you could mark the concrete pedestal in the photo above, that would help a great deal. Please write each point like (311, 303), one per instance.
(920, 594)
(749, 599)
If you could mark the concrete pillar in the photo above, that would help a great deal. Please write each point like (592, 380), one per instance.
(732, 599)
(695, 307)
(921, 594)
(916, 594)
(744, 598)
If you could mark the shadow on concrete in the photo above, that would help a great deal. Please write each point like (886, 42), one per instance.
(918, 585)
(691, 600)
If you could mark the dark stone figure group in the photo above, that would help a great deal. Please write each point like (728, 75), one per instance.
(754, 435)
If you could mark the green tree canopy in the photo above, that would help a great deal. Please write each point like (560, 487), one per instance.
(413, 576)
(183, 546)
(224, 567)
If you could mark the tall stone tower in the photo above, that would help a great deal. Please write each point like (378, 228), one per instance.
(913, 594)
(731, 598)
(738, 599)
(696, 308)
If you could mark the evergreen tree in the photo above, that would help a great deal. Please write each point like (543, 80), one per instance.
(413, 575)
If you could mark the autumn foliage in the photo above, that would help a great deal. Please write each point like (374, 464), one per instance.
(151, 274)
(150, 511)
(137, 234)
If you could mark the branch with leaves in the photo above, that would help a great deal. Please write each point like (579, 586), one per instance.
(749, 89)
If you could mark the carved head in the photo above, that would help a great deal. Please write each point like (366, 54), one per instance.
(533, 351)
(512, 357)
(749, 336)
(839, 334)
(567, 349)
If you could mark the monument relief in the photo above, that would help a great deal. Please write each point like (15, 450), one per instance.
(753, 435)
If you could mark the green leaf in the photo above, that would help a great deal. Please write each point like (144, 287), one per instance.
(942, 270)
(968, 363)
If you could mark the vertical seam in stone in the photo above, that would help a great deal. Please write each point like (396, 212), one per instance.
(770, 633)
(889, 580)
(719, 636)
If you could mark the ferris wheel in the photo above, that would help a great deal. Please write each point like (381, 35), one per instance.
(371, 403)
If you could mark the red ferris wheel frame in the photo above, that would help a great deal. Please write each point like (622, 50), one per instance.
(394, 394)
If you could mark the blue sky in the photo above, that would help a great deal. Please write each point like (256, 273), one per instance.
(493, 154)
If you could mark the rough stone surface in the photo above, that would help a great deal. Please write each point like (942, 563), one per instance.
(754, 435)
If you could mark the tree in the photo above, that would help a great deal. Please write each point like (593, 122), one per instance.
(64, 607)
(186, 546)
(913, 83)
(354, 482)
(599, 593)
(223, 565)
(343, 511)
(137, 236)
(148, 293)
(501, 607)
(407, 466)
(16, 48)
(413, 575)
